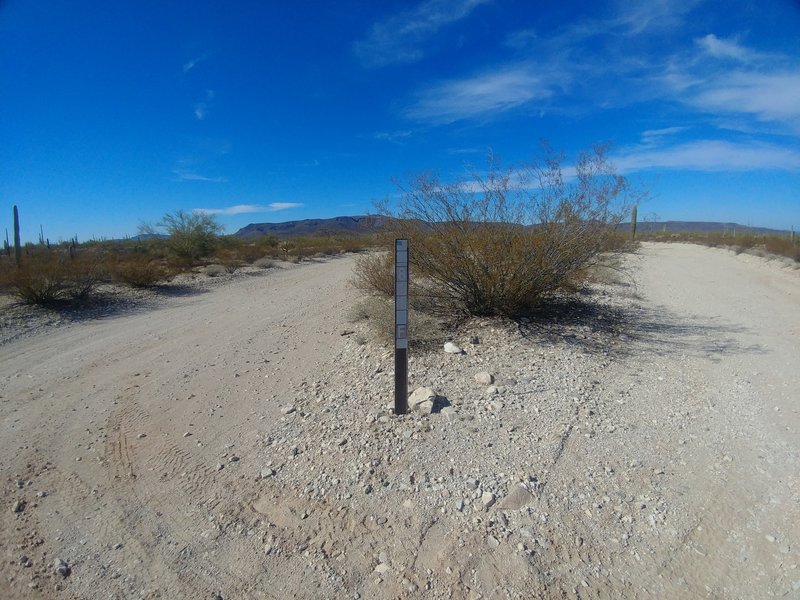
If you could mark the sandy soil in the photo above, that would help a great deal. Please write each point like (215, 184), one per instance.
(236, 443)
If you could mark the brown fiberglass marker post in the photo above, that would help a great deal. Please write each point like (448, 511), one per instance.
(400, 327)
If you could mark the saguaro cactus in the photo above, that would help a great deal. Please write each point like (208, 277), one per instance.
(633, 222)
(17, 245)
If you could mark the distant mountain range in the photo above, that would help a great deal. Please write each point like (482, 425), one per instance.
(359, 225)
(336, 226)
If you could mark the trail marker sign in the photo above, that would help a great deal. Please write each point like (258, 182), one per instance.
(400, 327)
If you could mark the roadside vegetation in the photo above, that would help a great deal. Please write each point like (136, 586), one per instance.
(69, 273)
(786, 245)
(499, 244)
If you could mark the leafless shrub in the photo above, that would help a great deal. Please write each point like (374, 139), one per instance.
(497, 244)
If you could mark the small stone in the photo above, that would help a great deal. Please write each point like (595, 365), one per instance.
(25, 561)
(220, 466)
(19, 483)
(770, 538)
(187, 433)
(460, 504)
(422, 400)
(488, 499)
(42, 494)
(288, 409)
(233, 459)
(492, 541)
(472, 484)
(61, 568)
(18, 506)
(491, 390)
(382, 569)
(267, 472)
(449, 412)
(474, 340)
(141, 435)
(451, 348)
(484, 378)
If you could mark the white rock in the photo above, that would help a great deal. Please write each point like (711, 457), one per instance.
(61, 567)
(484, 378)
(451, 348)
(382, 569)
(422, 400)
(488, 499)
(287, 410)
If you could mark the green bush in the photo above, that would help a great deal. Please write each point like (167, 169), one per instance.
(192, 235)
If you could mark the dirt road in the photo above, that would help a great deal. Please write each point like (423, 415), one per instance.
(233, 442)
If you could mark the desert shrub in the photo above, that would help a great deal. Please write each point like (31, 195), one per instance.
(497, 244)
(264, 263)
(783, 247)
(192, 235)
(138, 271)
(215, 270)
(51, 278)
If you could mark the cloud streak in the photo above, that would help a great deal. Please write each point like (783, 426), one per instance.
(399, 39)
(709, 156)
(186, 175)
(240, 209)
(201, 108)
(476, 96)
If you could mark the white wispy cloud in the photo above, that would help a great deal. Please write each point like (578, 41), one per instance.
(650, 135)
(479, 95)
(720, 48)
(193, 62)
(771, 96)
(392, 136)
(577, 67)
(201, 108)
(399, 39)
(189, 175)
(709, 155)
(240, 209)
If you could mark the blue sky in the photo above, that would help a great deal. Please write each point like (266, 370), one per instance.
(112, 113)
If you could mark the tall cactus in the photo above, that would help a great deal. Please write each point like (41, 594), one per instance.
(17, 246)
(633, 222)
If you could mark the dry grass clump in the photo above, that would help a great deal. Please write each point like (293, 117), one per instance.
(425, 331)
(264, 263)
